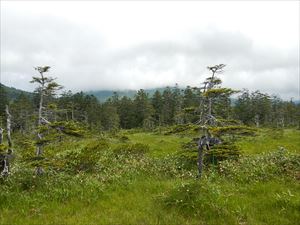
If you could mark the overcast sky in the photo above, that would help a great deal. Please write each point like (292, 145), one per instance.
(101, 45)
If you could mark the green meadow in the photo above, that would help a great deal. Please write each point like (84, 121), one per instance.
(136, 177)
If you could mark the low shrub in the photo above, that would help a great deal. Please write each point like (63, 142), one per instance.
(84, 159)
(217, 153)
(221, 152)
(137, 149)
(274, 133)
(24, 187)
(280, 163)
(182, 128)
(195, 198)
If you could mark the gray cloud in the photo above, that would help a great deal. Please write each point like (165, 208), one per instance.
(82, 59)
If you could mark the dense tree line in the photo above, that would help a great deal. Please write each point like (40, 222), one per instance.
(167, 107)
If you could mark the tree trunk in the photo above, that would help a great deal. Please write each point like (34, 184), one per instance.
(2, 156)
(72, 114)
(200, 160)
(86, 117)
(1, 135)
(7, 156)
(256, 119)
(203, 142)
(41, 106)
(8, 127)
(39, 148)
(209, 108)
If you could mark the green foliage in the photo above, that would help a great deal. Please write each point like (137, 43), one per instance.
(8, 94)
(143, 110)
(228, 122)
(84, 159)
(231, 130)
(160, 145)
(275, 133)
(219, 92)
(25, 187)
(190, 109)
(280, 163)
(137, 149)
(217, 153)
(44, 141)
(123, 138)
(216, 201)
(26, 147)
(182, 128)
(197, 199)
(148, 124)
(265, 141)
(4, 101)
(3, 148)
(156, 187)
(69, 127)
(146, 170)
(221, 152)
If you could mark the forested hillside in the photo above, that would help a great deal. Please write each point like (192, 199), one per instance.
(149, 108)
(11, 93)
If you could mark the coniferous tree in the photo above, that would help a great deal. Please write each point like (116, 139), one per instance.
(215, 129)
(243, 109)
(168, 110)
(143, 108)
(110, 119)
(177, 102)
(22, 110)
(4, 101)
(126, 113)
(47, 87)
(66, 104)
(261, 108)
(157, 104)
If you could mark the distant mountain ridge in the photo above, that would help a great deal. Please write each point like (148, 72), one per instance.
(103, 95)
(13, 93)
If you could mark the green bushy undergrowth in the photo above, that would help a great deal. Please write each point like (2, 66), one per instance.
(111, 180)
(224, 151)
(251, 189)
(262, 167)
(82, 159)
(23, 188)
(187, 129)
(214, 200)
(137, 149)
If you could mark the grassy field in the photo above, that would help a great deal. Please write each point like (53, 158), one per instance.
(160, 145)
(133, 186)
(268, 140)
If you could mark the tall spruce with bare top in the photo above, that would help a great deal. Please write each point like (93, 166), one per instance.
(46, 87)
(211, 93)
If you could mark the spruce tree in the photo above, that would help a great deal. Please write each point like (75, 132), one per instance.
(4, 101)
(216, 129)
(47, 87)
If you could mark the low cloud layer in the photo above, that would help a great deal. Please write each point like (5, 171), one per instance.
(82, 58)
